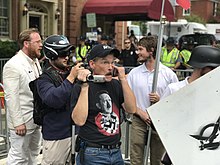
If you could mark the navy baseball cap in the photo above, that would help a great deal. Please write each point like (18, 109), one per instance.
(102, 51)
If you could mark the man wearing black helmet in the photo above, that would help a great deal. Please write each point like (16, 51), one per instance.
(54, 86)
(203, 59)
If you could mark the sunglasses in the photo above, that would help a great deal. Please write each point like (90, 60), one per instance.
(63, 53)
(127, 42)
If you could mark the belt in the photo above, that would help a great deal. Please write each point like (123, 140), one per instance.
(151, 125)
(137, 116)
(114, 146)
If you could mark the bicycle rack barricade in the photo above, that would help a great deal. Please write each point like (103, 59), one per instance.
(183, 73)
(4, 137)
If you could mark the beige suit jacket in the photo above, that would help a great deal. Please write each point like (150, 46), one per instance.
(17, 73)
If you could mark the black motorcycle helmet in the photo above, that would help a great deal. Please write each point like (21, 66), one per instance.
(56, 46)
(203, 56)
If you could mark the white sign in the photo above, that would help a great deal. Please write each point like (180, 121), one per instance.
(91, 20)
(188, 122)
(92, 36)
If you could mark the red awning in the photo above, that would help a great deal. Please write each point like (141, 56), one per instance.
(154, 11)
(144, 8)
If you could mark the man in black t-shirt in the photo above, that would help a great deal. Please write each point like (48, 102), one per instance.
(96, 109)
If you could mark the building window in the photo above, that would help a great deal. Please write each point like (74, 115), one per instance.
(215, 7)
(4, 22)
(38, 18)
(186, 12)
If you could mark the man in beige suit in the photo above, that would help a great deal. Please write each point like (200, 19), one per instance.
(25, 136)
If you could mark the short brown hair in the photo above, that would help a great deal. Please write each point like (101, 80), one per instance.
(149, 42)
(25, 36)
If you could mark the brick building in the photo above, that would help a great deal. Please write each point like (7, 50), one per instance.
(65, 17)
(49, 16)
(209, 10)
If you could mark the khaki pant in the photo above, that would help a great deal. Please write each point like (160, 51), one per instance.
(57, 152)
(139, 132)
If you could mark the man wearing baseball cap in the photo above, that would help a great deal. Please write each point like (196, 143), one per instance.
(102, 51)
(99, 135)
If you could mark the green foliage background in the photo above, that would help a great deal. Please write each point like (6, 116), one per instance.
(8, 48)
(195, 18)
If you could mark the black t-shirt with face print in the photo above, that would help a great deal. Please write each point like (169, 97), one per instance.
(103, 122)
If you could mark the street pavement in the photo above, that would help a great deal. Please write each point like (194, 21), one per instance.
(3, 160)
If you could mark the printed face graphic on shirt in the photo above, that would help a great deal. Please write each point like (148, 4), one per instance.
(108, 119)
(105, 103)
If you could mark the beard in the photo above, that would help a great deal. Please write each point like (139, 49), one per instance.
(33, 53)
(143, 60)
(61, 66)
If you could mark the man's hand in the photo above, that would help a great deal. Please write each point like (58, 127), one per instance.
(144, 116)
(120, 72)
(74, 72)
(154, 97)
(21, 130)
(82, 75)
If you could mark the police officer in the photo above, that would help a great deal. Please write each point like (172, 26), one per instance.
(185, 53)
(170, 55)
(128, 56)
(81, 50)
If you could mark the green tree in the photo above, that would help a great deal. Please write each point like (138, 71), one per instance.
(8, 49)
(142, 25)
(195, 18)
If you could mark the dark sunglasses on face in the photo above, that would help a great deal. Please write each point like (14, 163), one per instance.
(127, 42)
(64, 54)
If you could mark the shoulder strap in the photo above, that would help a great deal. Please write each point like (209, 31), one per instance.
(54, 76)
(32, 86)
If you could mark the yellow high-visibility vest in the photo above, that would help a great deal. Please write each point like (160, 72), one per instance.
(186, 55)
(82, 52)
(169, 59)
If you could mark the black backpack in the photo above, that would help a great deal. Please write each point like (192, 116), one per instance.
(41, 109)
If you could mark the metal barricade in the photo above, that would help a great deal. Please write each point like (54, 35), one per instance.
(4, 138)
(183, 73)
(128, 121)
(2, 63)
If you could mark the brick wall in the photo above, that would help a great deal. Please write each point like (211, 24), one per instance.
(202, 8)
(73, 19)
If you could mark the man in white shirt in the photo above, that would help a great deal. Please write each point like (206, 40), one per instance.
(140, 80)
(22, 68)
(203, 60)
